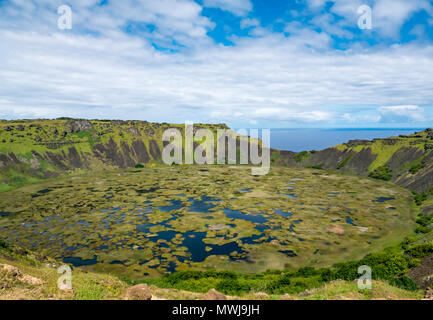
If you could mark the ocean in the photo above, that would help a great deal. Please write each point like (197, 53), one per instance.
(319, 139)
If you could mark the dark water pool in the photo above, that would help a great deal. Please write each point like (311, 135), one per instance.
(41, 193)
(197, 250)
(283, 213)
(350, 221)
(236, 214)
(383, 199)
(78, 262)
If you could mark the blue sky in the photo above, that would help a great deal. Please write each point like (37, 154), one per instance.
(248, 63)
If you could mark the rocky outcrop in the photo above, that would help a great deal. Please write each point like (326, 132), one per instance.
(140, 151)
(429, 294)
(423, 274)
(212, 294)
(427, 211)
(78, 125)
(134, 131)
(138, 292)
(10, 276)
(154, 149)
(261, 296)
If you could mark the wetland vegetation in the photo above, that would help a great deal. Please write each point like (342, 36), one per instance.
(149, 221)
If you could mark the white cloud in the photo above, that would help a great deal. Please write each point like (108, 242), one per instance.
(316, 3)
(361, 118)
(107, 73)
(178, 20)
(237, 7)
(305, 37)
(388, 15)
(248, 23)
(283, 114)
(402, 114)
(262, 78)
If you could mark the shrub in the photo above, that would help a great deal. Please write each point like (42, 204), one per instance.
(424, 220)
(384, 265)
(347, 270)
(382, 173)
(326, 275)
(272, 271)
(64, 118)
(230, 286)
(421, 229)
(280, 285)
(300, 156)
(416, 167)
(407, 241)
(413, 263)
(5, 245)
(284, 280)
(420, 250)
(139, 166)
(420, 198)
(405, 283)
(306, 272)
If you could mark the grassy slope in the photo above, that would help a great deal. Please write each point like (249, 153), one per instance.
(86, 285)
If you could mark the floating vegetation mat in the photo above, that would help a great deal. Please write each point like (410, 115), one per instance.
(155, 220)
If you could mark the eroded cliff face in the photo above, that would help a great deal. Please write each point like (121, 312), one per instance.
(38, 149)
(408, 159)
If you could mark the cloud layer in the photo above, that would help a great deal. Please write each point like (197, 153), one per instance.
(110, 66)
